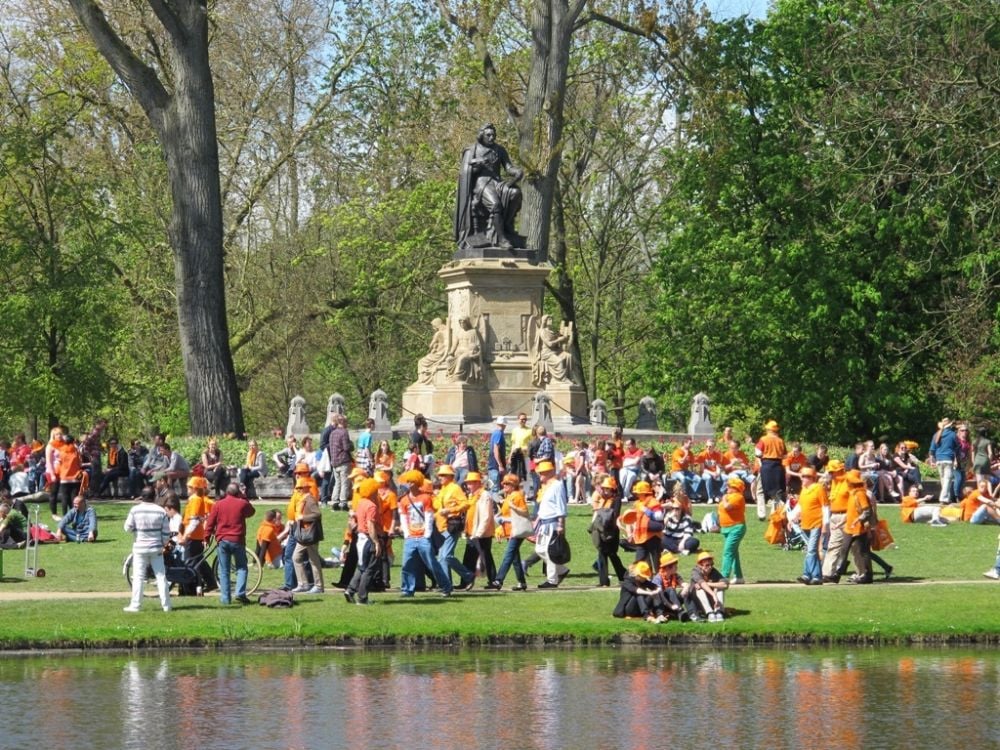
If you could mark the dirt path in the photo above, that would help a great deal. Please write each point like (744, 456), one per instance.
(6, 595)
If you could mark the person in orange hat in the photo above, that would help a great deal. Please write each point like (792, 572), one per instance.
(838, 541)
(706, 592)
(814, 515)
(639, 596)
(671, 585)
(513, 502)
(416, 521)
(857, 522)
(192, 537)
(604, 530)
(733, 524)
(369, 543)
(648, 534)
(481, 528)
(552, 512)
(451, 506)
(771, 451)
(388, 527)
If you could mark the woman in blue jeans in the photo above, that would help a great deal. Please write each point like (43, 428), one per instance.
(514, 502)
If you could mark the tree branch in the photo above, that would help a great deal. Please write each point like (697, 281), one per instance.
(140, 79)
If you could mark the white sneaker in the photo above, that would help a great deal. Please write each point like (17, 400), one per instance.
(992, 573)
(130, 609)
(168, 609)
(736, 581)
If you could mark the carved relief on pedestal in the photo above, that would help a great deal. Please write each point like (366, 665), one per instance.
(465, 358)
(437, 353)
(550, 351)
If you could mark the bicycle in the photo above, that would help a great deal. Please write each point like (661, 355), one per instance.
(186, 571)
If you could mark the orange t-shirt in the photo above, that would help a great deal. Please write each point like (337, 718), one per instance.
(731, 456)
(856, 504)
(970, 504)
(907, 507)
(70, 464)
(811, 501)
(710, 459)
(198, 506)
(267, 535)
(367, 515)
(387, 504)
(796, 463)
(771, 446)
(732, 510)
(678, 460)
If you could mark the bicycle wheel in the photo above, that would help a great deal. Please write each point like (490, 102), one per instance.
(127, 571)
(255, 572)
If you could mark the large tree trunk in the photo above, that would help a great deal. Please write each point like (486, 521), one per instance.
(191, 149)
(184, 120)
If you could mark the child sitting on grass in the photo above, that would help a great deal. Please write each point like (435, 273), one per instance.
(705, 596)
(672, 587)
(640, 597)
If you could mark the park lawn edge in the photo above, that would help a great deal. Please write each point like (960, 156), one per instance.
(940, 614)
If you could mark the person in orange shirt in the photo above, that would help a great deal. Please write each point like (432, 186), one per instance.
(913, 510)
(287, 536)
(770, 449)
(712, 479)
(978, 506)
(513, 502)
(388, 510)
(192, 538)
(814, 510)
(369, 544)
(451, 506)
(681, 462)
(736, 463)
(268, 547)
(69, 472)
(733, 524)
(648, 534)
(794, 463)
(857, 523)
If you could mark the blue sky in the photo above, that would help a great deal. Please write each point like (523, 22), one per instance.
(731, 8)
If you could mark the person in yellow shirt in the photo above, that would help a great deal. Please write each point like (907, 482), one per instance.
(814, 507)
(303, 487)
(451, 505)
(520, 438)
(481, 526)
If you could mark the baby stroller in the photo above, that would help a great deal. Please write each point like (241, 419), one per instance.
(783, 528)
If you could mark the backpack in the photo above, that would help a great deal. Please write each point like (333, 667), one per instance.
(604, 527)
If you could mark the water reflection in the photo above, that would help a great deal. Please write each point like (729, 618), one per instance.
(513, 698)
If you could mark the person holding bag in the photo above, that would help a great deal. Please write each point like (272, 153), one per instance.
(308, 534)
(516, 516)
(552, 511)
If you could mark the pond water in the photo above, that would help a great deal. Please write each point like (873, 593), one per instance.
(510, 698)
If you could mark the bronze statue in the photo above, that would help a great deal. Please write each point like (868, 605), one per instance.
(487, 204)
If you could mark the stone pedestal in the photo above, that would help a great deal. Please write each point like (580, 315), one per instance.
(502, 299)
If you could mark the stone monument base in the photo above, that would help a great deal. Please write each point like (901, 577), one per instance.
(501, 298)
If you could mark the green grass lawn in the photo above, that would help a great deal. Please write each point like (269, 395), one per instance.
(886, 612)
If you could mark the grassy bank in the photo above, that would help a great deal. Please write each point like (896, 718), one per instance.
(936, 594)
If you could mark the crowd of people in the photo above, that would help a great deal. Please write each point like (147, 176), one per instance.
(519, 490)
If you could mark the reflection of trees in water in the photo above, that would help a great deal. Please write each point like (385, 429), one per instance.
(512, 697)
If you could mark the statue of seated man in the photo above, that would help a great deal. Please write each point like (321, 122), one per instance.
(484, 195)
